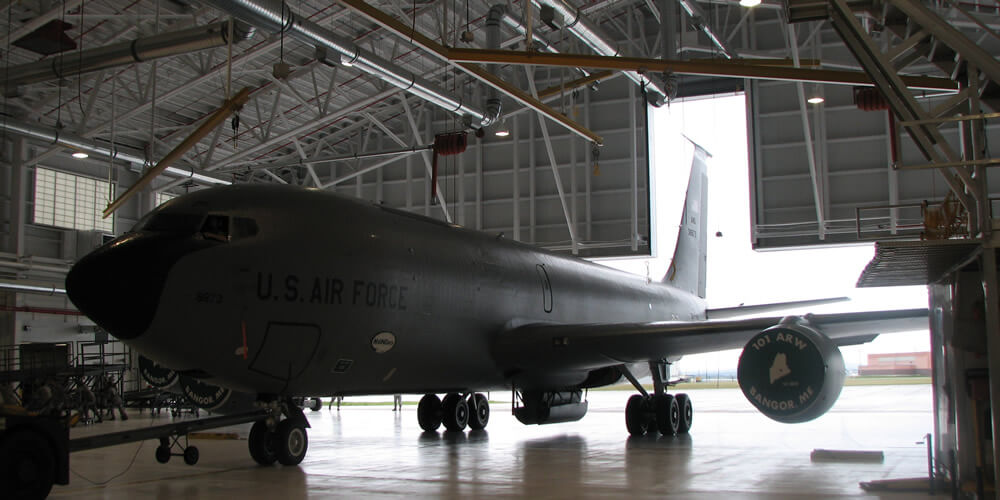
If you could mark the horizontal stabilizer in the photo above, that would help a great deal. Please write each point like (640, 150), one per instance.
(741, 310)
(856, 340)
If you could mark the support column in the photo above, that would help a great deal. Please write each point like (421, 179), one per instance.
(992, 297)
(18, 195)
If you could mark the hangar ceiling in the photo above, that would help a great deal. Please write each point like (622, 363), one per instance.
(349, 95)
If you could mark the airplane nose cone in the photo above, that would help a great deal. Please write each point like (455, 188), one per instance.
(119, 285)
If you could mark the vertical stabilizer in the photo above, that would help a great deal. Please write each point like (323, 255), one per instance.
(688, 268)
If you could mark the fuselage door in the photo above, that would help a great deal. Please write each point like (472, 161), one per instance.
(546, 288)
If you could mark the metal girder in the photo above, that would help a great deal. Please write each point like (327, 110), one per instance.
(311, 125)
(927, 138)
(807, 136)
(731, 69)
(947, 34)
(393, 25)
(555, 167)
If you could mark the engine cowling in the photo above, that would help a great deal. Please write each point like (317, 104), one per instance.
(791, 372)
(156, 375)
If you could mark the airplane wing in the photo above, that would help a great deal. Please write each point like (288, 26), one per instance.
(554, 347)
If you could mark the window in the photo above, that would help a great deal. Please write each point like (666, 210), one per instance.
(162, 197)
(71, 201)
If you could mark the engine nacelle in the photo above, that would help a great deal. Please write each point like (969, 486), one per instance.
(213, 398)
(791, 372)
(156, 375)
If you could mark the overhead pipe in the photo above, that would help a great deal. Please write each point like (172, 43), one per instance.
(593, 36)
(274, 15)
(698, 20)
(494, 105)
(92, 147)
(514, 23)
(141, 49)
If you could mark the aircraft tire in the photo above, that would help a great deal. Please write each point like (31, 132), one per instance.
(162, 454)
(686, 413)
(315, 404)
(668, 413)
(290, 442)
(635, 415)
(480, 416)
(27, 464)
(454, 412)
(261, 444)
(191, 455)
(429, 412)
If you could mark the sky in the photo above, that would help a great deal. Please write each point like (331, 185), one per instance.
(737, 273)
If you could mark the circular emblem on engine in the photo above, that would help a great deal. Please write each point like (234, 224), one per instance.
(202, 395)
(156, 375)
(782, 372)
(383, 342)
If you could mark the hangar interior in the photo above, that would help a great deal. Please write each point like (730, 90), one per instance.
(522, 118)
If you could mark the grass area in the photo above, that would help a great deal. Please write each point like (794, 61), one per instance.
(732, 384)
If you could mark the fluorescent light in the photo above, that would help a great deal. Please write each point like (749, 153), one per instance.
(502, 130)
(816, 100)
(79, 155)
(749, 3)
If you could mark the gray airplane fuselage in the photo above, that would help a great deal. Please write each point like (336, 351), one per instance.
(355, 298)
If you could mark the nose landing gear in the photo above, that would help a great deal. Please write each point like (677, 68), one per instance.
(285, 442)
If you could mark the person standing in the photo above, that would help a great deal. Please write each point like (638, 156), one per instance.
(397, 402)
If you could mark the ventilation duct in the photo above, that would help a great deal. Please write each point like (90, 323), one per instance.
(89, 146)
(514, 23)
(590, 34)
(138, 50)
(276, 16)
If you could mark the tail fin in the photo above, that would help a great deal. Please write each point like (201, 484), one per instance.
(688, 268)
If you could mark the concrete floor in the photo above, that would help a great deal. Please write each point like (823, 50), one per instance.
(731, 452)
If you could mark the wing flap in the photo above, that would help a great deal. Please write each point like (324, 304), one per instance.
(553, 347)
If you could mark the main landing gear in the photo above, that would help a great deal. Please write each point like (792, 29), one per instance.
(660, 412)
(285, 442)
(455, 412)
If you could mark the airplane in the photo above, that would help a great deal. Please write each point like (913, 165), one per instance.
(276, 292)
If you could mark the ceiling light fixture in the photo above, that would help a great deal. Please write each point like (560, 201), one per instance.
(79, 155)
(502, 130)
(749, 3)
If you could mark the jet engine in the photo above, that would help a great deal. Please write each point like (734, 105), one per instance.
(791, 372)
(156, 375)
(214, 398)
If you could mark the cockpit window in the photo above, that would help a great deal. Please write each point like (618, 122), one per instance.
(171, 223)
(216, 227)
(243, 228)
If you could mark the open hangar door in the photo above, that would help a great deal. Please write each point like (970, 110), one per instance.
(848, 171)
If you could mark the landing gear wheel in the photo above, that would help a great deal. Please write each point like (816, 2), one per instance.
(315, 404)
(635, 415)
(480, 414)
(290, 442)
(162, 454)
(261, 444)
(429, 412)
(667, 413)
(455, 412)
(686, 413)
(191, 455)
(27, 465)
